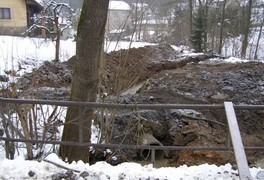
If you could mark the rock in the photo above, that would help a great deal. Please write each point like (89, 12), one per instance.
(31, 173)
(84, 174)
(191, 128)
(59, 176)
(260, 175)
(219, 98)
(70, 174)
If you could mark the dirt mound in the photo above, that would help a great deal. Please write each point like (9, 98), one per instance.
(122, 69)
(210, 83)
(126, 68)
(50, 74)
(163, 75)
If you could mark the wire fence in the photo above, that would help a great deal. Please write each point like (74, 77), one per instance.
(153, 148)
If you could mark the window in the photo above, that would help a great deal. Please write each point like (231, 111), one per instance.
(5, 13)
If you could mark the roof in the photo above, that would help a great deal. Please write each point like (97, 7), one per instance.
(39, 1)
(119, 5)
(35, 3)
(140, 5)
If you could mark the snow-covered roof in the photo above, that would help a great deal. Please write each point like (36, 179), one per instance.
(36, 3)
(117, 31)
(118, 5)
(40, 2)
(140, 5)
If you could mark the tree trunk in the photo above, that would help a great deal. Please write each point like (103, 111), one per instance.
(222, 28)
(246, 30)
(259, 36)
(191, 16)
(206, 15)
(90, 36)
(57, 40)
(57, 49)
(205, 22)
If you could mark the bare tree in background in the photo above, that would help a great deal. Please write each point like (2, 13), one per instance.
(49, 23)
(191, 14)
(222, 27)
(246, 29)
(259, 35)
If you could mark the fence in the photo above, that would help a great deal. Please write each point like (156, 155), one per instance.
(227, 106)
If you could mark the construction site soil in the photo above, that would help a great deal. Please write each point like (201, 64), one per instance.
(162, 75)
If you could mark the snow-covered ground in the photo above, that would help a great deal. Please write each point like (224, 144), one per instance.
(30, 53)
(20, 169)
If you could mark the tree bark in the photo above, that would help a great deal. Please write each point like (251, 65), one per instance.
(222, 28)
(191, 15)
(57, 34)
(246, 30)
(90, 36)
(259, 36)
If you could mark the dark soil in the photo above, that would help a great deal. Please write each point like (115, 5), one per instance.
(167, 77)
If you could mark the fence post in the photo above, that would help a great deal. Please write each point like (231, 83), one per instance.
(239, 150)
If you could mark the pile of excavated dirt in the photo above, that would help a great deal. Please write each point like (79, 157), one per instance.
(159, 74)
(210, 83)
(122, 69)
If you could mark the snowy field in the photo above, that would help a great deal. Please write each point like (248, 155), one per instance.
(30, 53)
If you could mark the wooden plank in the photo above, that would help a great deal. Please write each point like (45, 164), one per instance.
(239, 150)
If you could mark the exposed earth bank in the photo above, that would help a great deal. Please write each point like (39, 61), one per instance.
(161, 74)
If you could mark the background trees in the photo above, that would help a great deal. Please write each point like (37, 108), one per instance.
(210, 23)
(175, 22)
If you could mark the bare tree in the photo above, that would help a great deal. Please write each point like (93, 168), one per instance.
(222, 27)
(259, 35)
(90, 36)
(191, 14)
(56, 18)
(246, 29)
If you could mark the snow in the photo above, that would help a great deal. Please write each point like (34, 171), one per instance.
(119, 5)
(20, 168)
(30, 53)
(232, 46)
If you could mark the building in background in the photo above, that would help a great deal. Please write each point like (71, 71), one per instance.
(16, 16)
(119, 20)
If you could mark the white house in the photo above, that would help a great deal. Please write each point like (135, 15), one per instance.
(119, 18)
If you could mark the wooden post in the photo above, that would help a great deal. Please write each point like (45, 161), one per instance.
(239, 150)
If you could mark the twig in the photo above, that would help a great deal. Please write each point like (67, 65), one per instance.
(61, 166)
